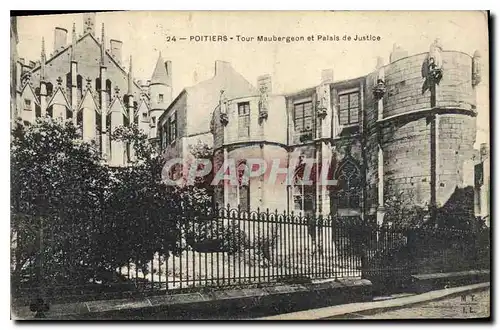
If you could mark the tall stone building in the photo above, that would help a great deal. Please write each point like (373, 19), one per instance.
(405, 130)
(85, 81)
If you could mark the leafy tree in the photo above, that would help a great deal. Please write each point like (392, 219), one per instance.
(57, 187)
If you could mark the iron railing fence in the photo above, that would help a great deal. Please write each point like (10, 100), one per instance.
(233, 248)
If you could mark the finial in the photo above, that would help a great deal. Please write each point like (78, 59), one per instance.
(73, 42)
(89, 83)
(117, 90)
(59, 81)
(102, 44)
(130, 77)
(43, 48)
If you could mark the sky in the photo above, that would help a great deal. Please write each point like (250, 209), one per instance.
(293, 66)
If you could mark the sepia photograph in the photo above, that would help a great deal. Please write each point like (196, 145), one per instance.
(250, 165)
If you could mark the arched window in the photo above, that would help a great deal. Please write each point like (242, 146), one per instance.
(79, 118)
(38, 109)
(98, 131)
(50, 89)
(79, 88)
(349, 182)
(68, 85)
(108, 92)
(98, 89)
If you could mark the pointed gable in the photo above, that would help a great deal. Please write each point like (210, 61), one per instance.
(117, 106)
(59, 98)
(87, 49)
(160, 74)
(143, 111)
(28, 93)
(89, 101)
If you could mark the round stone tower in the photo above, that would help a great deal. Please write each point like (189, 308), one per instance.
(424, 123)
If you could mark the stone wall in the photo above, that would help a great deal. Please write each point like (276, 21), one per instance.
(404, 86)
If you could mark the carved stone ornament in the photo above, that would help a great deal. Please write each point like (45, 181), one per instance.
(432, 68)
(27, 78)
(322, 105)
(263, 104)
(89, 83)
(435, 62)
(224, 119)
(476, 68)
(379, 89)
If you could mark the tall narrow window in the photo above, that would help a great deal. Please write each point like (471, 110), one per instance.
(172, 127)
(98, 89)
(303, 120)
(50, 89)
(160, 98)
(68, 85)
(244, 119)
(349, 108)
(79, 89)
(108, 92)
(349, 181)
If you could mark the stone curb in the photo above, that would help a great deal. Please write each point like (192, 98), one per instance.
(186, 300)
(335, 312)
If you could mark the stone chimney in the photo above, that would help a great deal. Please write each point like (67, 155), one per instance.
(326, 76)
(397, 53)
(266, 82)
(60, 36)
(220, 67)
(116, 50)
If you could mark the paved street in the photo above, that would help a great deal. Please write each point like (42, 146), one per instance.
(475, 305)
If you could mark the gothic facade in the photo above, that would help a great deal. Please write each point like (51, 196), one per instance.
(87, 83)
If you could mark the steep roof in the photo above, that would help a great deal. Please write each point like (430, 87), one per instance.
(160, 74)
(68, 48)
